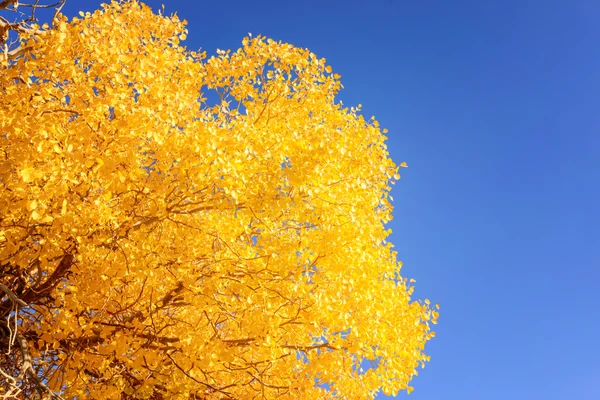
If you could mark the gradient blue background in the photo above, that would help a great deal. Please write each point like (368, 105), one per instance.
(494, 106)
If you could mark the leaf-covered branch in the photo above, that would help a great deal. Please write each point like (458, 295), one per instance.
(24, 26)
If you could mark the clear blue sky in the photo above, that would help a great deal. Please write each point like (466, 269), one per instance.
(494, 105)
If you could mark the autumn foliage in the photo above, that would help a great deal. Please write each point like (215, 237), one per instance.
(173, 227)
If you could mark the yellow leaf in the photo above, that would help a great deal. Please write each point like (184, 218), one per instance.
(99, 164)
(28, 174)
(35, 215)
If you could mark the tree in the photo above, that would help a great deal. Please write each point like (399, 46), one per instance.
(173, 227)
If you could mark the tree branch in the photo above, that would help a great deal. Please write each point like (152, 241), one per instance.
(27, 367)
(5, 3)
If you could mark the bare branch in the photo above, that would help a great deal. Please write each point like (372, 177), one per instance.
(58, 9)
(13, 297)
(36, 5)
(27, 367)
(16, 53)
(4, 4)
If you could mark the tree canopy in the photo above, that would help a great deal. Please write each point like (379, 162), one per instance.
(177, 227)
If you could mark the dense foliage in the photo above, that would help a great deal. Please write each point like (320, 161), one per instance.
(176, 227)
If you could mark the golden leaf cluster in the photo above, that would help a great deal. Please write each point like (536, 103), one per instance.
(183, 227)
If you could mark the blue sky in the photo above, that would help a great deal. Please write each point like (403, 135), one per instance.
(494, 106)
